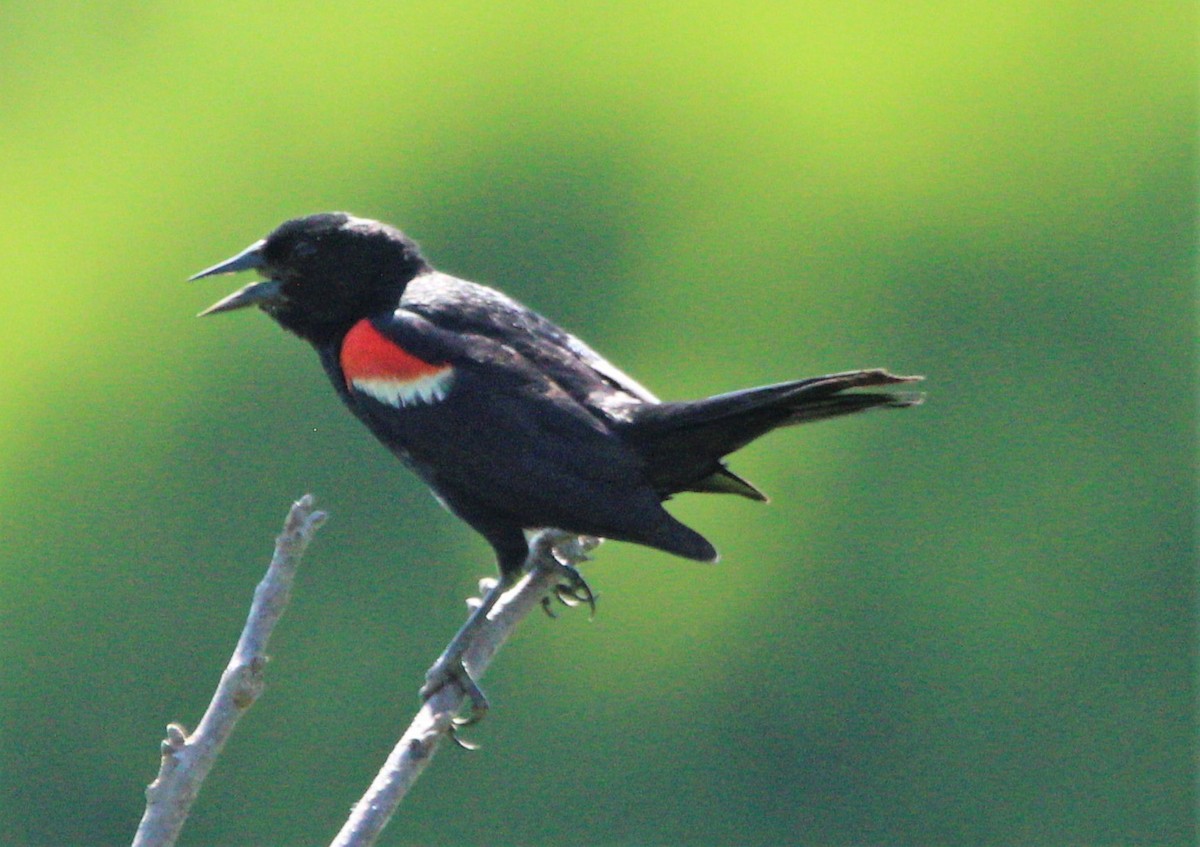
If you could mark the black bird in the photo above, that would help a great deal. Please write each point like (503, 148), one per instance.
(514, 423)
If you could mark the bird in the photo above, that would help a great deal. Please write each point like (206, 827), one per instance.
(514, 423)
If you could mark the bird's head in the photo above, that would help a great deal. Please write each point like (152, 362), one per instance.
(323, 273)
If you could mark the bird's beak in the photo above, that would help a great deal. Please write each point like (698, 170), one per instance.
(256, 293)
(248, 260)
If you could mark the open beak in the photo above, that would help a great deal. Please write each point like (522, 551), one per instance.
(256, 293)
(248, 260)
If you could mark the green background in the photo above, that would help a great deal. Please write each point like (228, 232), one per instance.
(971, 623)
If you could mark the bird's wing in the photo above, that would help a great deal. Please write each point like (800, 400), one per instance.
(480, 422)
(500, 441)
(466, 307)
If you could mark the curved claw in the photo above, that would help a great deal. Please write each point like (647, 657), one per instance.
(455, 672)
(462, 743)
(569, 596)
(575, 591)
(476, 698)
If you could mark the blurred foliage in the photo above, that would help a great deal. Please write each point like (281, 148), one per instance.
(971, 623)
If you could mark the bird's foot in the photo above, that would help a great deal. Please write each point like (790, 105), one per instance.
(450, 670)
(572, 589)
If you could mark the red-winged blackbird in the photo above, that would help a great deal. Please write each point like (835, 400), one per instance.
(513, 422)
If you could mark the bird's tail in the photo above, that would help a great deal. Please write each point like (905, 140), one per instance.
(683, 443)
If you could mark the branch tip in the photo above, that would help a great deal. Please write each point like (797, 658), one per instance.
(176, 735)
(302, 519)
(187, 758)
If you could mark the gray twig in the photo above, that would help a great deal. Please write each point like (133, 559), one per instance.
(187, 759)
(435, 718)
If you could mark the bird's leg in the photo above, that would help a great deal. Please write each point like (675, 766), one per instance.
(449, 667)
(555, 549)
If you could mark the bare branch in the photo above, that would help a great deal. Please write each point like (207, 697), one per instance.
(187, 759)
(435, 718)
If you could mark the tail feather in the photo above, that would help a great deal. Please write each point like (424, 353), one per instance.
(725, 481)
(676, 537)
(683, 443)
(788, 402)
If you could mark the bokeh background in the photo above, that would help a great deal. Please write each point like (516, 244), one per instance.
(967, 624)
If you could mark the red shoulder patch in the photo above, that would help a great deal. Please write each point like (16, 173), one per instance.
(368, 353)
(374, 364)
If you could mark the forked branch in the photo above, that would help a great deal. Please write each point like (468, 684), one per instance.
(187, 758)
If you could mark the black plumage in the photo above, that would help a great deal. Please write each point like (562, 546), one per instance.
(515, 423)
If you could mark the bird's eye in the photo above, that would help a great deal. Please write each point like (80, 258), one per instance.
(303, 249)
